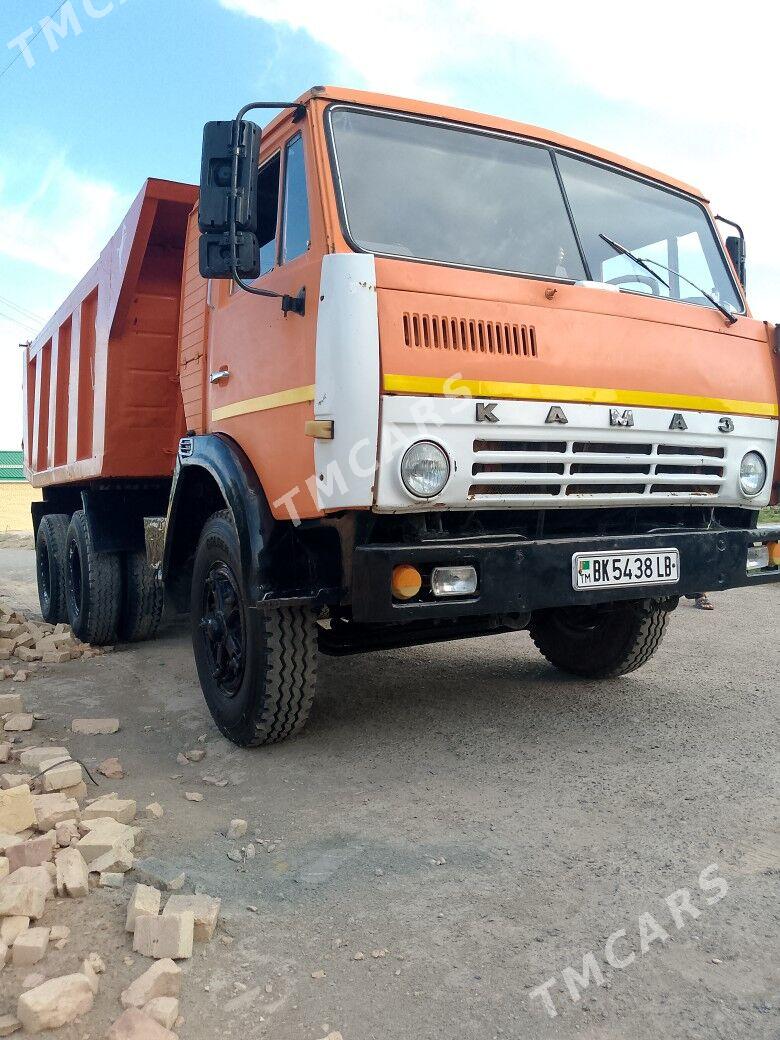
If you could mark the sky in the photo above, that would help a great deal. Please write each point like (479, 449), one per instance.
(110, 92)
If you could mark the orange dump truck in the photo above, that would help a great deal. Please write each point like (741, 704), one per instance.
(400, 373)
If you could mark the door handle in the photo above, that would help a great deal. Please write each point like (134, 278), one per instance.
(217, 377)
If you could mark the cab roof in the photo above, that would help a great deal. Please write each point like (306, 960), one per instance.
(489, 122)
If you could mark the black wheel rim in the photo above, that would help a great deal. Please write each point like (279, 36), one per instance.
(74, 578)
(44, 575)
(223, 628)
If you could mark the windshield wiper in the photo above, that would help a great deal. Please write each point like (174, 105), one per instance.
(637, 259)
(644, 261)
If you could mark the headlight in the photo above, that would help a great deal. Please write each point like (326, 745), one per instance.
(425, 469)
(752, 474)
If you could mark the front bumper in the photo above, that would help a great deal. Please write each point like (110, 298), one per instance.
(517, 576)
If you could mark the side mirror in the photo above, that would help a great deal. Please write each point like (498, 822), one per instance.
(217, 208)
(735, 247)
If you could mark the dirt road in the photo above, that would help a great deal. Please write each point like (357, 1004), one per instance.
(474, 824)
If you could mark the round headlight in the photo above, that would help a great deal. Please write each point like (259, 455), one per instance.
(425, 469)
(752, 474)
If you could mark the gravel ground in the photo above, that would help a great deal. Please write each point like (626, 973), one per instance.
(474, 818)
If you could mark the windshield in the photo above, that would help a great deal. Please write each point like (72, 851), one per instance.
(655, 225)
(459, 196)
(428, 191)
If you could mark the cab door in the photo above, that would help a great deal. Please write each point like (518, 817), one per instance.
(262, 362)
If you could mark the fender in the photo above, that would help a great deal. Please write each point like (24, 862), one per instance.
(281, 564)
(232, 473)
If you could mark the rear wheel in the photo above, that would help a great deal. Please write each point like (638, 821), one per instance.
(93, 587)
(600, 642)
(50, 566)
(257, 670)
(142, 604)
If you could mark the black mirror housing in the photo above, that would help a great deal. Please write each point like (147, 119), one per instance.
(735, 247)
(214, 211)
(214, 257)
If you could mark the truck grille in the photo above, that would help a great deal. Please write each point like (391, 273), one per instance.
(592, 469)
(472, 335)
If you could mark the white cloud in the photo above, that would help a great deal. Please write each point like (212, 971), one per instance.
(53, 223)
(62, 222)
(694, 86)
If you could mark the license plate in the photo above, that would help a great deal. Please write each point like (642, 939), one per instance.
(606, 569)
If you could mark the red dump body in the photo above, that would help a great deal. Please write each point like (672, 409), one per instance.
(102, 395)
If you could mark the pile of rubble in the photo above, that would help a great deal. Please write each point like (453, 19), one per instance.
(28, 643)
(55, 845)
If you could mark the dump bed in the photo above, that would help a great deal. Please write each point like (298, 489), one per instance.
(102, 395)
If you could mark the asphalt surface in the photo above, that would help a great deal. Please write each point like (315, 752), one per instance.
(478, 821)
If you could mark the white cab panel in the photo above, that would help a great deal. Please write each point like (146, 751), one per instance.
(347, 381)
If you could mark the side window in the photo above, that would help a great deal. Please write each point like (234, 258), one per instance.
(268, 181)
(296, 235)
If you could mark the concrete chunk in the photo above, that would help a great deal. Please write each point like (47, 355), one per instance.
(5, 869)
(7, 840)
(5, 751)
(164, 1010)
(236, 830)
(11, 702)
(72, 874)
(89, 973)
(33, 852)
(118, 861)
(67, 832)
(17, 812)
(168, 936)
(205, 910)
(120, 809)
(51, 809)
(145, 900)
(163, 979)
(111, 768)
(18, 723)
(41, 877)
(61, 776)
(10, 927)
(111, 879)
(31, 758)
(105, 835)
(55, 1003)
(95, 727)
(21, 900)
(30, 947)
(10, 780)
(135, 1025)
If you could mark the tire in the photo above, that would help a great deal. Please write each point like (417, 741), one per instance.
(93, 587)
(600, 642)
(50, 566)
(258, 671)
(142, 604)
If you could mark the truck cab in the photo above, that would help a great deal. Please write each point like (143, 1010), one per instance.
(446, 375)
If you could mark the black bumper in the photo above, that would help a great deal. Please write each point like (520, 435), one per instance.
(518, 576)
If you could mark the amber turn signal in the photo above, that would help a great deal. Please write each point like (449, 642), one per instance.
(406, 581)
(774, 553)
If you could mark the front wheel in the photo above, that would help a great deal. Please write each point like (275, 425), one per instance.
(257, 670)
(601, 642)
